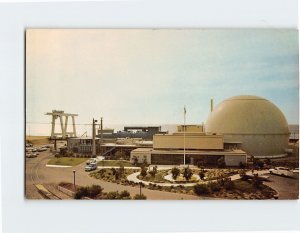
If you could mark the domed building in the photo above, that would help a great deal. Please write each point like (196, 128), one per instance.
(255, 122)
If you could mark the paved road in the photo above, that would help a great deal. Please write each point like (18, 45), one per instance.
(38, 173)
(287, 188)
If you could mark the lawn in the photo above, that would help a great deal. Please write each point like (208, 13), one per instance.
(158, 178)
(114, 163)
(66, 161)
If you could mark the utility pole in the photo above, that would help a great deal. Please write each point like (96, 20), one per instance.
(184, 113)
(101, 128)
(94, 139)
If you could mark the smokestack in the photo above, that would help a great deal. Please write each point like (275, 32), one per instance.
(211, 105)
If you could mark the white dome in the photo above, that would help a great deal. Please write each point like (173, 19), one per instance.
(254, 121)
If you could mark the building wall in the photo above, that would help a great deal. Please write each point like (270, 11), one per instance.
(235, 160)
(141, 155)
(190, 128)
(207, 142)
(261, 144)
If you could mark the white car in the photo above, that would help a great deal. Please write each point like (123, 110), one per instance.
(281, 171)
(91, 167)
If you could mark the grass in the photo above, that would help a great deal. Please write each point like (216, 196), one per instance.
(66, 161)
(159, 177)
(114, 163)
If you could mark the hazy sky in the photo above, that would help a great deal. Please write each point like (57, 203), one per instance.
(147, 76)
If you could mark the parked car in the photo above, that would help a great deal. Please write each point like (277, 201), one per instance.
(31, 155)
(281, 171)
(91, 167)
(41, 149)
(91, 161)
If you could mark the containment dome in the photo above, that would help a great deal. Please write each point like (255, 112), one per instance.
(254, 121)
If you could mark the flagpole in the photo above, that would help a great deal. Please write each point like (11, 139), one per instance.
(184, 113)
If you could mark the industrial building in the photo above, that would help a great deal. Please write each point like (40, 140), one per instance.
(144, 132)
(198, 148)
(256, 123)
(83, 145)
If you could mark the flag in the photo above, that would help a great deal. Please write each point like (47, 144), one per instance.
(184, 110)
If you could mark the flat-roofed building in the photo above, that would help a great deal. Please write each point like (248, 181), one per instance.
(190, 128)
(198, 148)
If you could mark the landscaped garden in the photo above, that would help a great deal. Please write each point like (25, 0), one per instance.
(209, 183)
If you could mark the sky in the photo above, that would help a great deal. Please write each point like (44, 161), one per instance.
(137, 76)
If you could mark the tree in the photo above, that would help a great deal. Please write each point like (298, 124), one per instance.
(153, 171)
(135, 160)
(187, 173)
(201, 174)
(256, 182)
(143, 171)
(175, 172)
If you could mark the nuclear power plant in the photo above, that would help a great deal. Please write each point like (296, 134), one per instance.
(255, 122)
(236, 129)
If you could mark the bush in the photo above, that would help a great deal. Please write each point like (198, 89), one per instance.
(81, 192)
(200, 189)
(214, 186)
(175, 172)
(258, 163)
(94, 191)
(221, 162)
(187, 173)
(143, 171)
(125, 195)
(139, 197)
(242, 165)
(153, 171)
(256, 182)
(135, 160)
(201, 174)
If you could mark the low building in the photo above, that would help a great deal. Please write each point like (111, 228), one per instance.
(197, 148)
(144, 132)
(83, 145)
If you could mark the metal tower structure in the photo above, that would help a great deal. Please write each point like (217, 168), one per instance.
(63, 117)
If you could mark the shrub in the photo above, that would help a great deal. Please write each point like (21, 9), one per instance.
(135, 160)
(229, 185)
(124, 195)
(139, 197)
(242, 165)
(221, 162)
(201, 174)
(243, 175)
(81, 192)
(112, 195)
(258, 163)
(187, 173)
(143, 171)
(214, 186)
(200, 189)
(153, 171)
(256, 182)
(175, 172)
(94, 191)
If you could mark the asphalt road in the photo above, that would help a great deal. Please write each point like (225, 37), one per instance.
(287, 188)
(38, 173)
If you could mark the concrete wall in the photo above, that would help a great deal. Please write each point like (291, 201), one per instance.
(190, 128)
(141, 155)
(234, 160)
(209, 142)
(261, 145)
